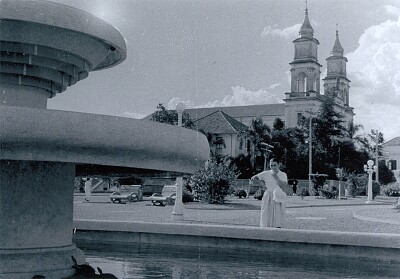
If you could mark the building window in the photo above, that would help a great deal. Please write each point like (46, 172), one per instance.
(241, 144)
(299, 118)
(219, 143)
(392, 165)
(248, 147)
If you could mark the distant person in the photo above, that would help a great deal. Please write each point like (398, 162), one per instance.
(294, 187)
(88, 189)
(273, 201)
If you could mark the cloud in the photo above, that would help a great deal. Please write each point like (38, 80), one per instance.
(374, 68)
(286, 33)
(135, 115)
(241, 97)
(174, 101)
(273, 86)
(392, 10)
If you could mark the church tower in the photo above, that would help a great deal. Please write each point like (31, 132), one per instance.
(305, 71)
(336, 83)
(304, 96)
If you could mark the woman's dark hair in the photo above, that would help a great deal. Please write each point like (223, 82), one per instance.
(274, 160)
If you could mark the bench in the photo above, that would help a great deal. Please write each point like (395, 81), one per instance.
(132, 193)
(167, 196)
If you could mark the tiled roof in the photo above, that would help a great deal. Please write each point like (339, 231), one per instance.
(393, 142)
(240, 111)
(219, 122)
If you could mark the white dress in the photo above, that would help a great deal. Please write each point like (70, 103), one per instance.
(88, 190)
(273, 205)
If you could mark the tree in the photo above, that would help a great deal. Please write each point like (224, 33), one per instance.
(243, 166)
(327, 137)
(257, 133)
(212, 183)
(163, 115)
(291, 150)
(278, 124)
(333, 145)
(360, 140)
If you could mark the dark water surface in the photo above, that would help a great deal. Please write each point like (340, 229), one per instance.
(127, 262)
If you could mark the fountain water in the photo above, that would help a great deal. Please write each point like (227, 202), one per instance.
(44, 48)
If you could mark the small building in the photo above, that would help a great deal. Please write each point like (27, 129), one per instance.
(244, 114)
(391, 149)
(222, 132)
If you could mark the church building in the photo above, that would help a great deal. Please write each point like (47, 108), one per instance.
(221, 124)
(305, 96)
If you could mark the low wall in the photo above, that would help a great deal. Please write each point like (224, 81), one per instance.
(384, 247)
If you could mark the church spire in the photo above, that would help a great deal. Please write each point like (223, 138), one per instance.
(306, 30)
(337, 47)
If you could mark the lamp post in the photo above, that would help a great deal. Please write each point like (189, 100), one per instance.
(339, 174)
(310, 154)
(266, 148)
(177, 213)
(369, 168)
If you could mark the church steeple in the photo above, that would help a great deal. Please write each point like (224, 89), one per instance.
(306, 30)
(305, 93)
(305, 72)
(337, 47)
(336, 83)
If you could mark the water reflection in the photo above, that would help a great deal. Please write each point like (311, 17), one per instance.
(172, 262)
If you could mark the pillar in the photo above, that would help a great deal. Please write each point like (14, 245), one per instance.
(36, 208)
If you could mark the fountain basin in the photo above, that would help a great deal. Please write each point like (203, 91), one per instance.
(38, 152)
(59, 136)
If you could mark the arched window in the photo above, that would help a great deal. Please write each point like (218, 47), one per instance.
(315, 83)
(302, 82)
(346, 96)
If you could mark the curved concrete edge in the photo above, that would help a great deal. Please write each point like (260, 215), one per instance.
(52, 262)
(242, 241)
(73, 137)
(246, 233)
(371, 219)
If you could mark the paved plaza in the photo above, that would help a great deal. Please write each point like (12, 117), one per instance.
(310, 213)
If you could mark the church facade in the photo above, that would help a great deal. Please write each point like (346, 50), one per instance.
(305, 97)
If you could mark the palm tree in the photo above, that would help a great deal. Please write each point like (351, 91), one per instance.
(258, 133)
(354, 132)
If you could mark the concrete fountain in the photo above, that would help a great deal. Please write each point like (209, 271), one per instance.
(45, 48)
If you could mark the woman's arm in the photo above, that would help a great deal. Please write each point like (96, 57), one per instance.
(256, 181)
(282, 183)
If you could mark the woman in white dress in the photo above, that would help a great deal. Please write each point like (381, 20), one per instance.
(88, 189)
(273, 201)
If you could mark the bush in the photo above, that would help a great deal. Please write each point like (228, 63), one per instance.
(212, 183)
(357, 185)
(331, 193)
(304, 192)
(391, 190)
(187, 195)
(241, 193)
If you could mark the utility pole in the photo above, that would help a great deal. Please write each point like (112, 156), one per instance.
(310, 157)
(377, 156)
(310, 153)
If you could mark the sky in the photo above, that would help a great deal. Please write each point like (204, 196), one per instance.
(209, 53)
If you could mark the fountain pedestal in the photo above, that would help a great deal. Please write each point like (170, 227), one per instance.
(36, 207)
